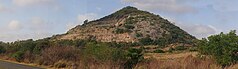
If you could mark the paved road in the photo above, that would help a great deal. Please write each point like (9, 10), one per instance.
(9, 65)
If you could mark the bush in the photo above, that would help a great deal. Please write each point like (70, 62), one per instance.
(171, 49)
(180, 48)
(120, 31)
(54, 54)
(102, 52)
(139, 35)
(161, 42)
(2, 49)
(18, 56)
(193, 49)
(146, 41)
(222, 47)
(129, 26)
(159, 51)
(134, 56)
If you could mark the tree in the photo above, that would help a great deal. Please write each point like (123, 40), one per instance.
(134, 56)
(146, 41)
(85, 21)
(222, 47)
(2, 49)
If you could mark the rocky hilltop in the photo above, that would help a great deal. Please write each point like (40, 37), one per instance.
(129, 25)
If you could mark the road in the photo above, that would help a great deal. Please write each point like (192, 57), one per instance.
(9, 65)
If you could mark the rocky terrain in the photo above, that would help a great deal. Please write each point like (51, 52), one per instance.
(129, 25)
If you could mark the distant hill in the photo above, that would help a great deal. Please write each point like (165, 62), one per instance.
(130, 25)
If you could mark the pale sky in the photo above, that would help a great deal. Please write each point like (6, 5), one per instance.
(25, 19)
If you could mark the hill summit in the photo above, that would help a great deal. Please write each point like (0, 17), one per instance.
(129, 25)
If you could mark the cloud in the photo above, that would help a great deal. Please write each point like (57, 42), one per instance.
(80, 19)
(32, 2)
(88, 16)
(37, 23)
(18, 36)
(174, 6)
(34, 28)
(4, 9)
(14, 25)
(198, 30)
(224, 6)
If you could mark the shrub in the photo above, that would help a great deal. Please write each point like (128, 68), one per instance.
(146, 41)
(193, 49)
(120, 31)
(54, 54)
(180, 48)
(139, 35)
(159, 51)
(18, 56)
(2, 49)
(134, 56)
(161, 42)
(222, 47)
(102, 52)
(171, 49)
(129, 26)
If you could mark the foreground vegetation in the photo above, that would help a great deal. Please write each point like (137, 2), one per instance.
(215, 52)
(72, 53)
(222, 47)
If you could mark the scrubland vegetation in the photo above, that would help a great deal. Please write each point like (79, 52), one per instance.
(215, 52)
(72, 54)
(90, 54)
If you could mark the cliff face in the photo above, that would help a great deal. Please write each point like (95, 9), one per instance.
(128, 25)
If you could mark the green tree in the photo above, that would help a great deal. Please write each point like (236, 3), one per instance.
(222, 47)
(3, 47)
(134, 56)
(146, 41)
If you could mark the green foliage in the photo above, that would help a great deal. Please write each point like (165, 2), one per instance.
(134, 56)
(118, 55)
(130, 20)
(129, 26)
(102, 52)
(120, 31)
(85, 21)
(177, 34)
(159, 51)
(222, 47)
(24, 45)
(193, 49)
(178, 48)
(160, 42)
(171, 50)
(18, 55)
(139, 35)
(2, 49)
(146, 41)
(40, 45)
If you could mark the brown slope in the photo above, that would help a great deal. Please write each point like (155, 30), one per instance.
(129, 25)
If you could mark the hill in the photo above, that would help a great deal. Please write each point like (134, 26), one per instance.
(132, 26)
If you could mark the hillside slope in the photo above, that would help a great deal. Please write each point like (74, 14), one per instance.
(129, 25)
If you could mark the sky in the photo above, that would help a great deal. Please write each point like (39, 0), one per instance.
(36, 19)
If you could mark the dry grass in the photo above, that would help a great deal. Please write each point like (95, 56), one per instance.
(177, 61)
(170, 56)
